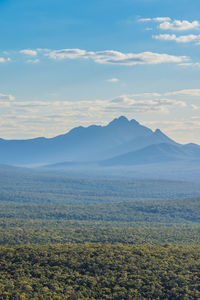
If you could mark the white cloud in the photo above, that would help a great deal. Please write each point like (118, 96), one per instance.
(147, 95)
(29, 52)
(157, 19)
(3, 60)
(116, 57)
(191, 64)
(145, 20)
(161, 19)
(187, 92)
(179, 39)
(46, 110)
(6, 97)
(188, 38)
(25, 119)
(159, 104)
(113, 80)
(179, 25)
(33, 61)
(184, 130)
(42, 50)
(69, 54)
(195, 107)
(166, 23)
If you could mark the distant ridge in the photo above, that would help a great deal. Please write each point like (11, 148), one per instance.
(155, 153)
(120, 142)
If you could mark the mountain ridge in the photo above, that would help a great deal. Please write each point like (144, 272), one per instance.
(97, 143)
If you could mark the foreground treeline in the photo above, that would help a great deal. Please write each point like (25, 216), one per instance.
(100, 271)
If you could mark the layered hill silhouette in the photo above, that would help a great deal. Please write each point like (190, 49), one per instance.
(120, 143)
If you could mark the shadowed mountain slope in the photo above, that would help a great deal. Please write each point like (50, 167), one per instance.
(81, 144)
(121, 142)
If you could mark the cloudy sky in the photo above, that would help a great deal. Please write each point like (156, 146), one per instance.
(69, 63)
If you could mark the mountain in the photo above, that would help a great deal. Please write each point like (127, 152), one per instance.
(150, 154)
(140, 142)
(155, 153)
(80, 144)
(119, 143)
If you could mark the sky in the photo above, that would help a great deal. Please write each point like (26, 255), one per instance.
(70, 63)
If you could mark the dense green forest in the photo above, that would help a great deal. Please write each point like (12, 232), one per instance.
(165, 211)
(38, 207)
(21, 185)
(98, 238)
(18, 231)
(147, 221)
(100, 271)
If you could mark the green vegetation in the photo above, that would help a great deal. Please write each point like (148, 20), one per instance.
(165, 211)
(33, 187)
(17, 231)
(100, 271)
(83, 238)
(172, 221)
(40, 208)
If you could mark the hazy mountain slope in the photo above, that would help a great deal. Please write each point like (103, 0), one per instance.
(150, 154)
(155, 153)
(140, 142)
(91, 143)
(121, 141)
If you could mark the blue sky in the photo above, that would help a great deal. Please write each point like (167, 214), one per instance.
(66, 63)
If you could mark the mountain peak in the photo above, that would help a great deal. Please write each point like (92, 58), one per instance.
(119, 121)
(122, 120)
(134, 122)
(158, 131)
(163, 136)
